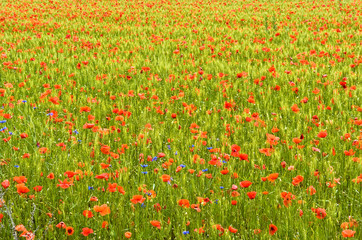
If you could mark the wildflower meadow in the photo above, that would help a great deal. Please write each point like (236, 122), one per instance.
(180, 119)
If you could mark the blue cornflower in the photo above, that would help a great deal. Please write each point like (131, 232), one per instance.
(144, 172)
(205, 170)
(90, 188)
(186, 232)
(3, 121)
(144, 165)
(17, 166)
(182, 166)
(221, 187)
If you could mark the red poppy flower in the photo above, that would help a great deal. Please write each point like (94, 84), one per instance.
(61, 225)
(251, 195)
(38, 188)
(20, 228)
(21, 188)
(298, 179)
(121, 190)
(320, 212)
(86, 231)
(235, 149)
(245, 184)
(51, 176)
(70, 174)
(87, 214)
(322, 134)
(103, 176)
(24, 135)
(21, 179)
(112, 187)
(5, 184)
(104, 224)
(233, 230)
(93, 199)
(43, 150)
(348, 233)
(103, 210)
(69, 231)
(156, 224)
(184, 203)
(85, 109)
(244, 156)
(166, 178)
(295, 108)
(105, 149)
(65, 184)
(311, 190)
(257, 231)
(272, 229)
(88, 125)
(138, 199)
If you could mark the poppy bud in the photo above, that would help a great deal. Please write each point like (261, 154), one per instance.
(283, 164)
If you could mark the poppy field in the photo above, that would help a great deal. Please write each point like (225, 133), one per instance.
(188, 119)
